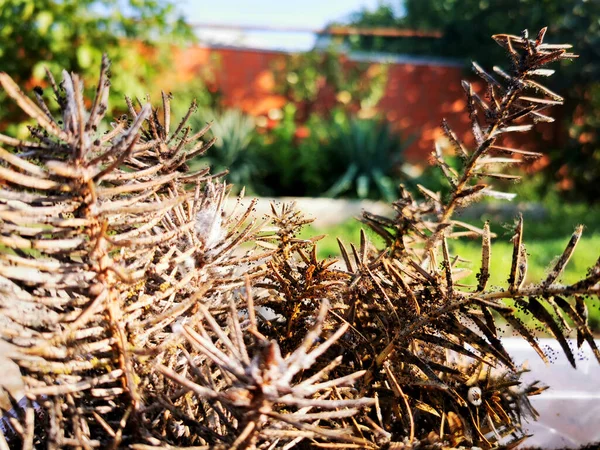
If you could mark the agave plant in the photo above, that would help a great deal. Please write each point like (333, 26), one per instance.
(232, 150)
(368, 151)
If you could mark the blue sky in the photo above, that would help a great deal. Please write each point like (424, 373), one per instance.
(304, 13)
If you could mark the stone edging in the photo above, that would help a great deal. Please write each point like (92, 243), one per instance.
(329, 211)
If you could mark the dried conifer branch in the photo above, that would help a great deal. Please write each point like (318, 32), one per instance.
(500, 117)
(124, 292)
(432, 305)
(91, 287)
(262, 382)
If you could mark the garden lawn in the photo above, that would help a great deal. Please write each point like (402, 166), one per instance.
(542, 252)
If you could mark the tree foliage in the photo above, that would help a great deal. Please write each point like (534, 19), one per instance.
(315, 81)
(73, 34)
(576, 141)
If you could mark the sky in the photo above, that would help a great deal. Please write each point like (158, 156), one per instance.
(314, 14)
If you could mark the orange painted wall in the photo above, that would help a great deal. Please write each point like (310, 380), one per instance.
(243, 76)
(417, 98)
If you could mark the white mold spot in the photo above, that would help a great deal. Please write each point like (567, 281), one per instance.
(474, 396)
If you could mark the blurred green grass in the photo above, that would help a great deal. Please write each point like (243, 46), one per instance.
(544, 240)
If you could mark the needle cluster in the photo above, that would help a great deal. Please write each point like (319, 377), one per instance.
(142, 313)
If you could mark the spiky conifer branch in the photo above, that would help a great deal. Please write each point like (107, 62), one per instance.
(123, 293)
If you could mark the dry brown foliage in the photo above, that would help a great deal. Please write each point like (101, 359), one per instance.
(143, 315)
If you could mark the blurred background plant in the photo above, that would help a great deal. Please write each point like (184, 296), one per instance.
(317, 136)
(369, 153)
(319, 80)
(204, 91)
(339, 155)
(73, 34)
(279, 156)
(234, 132)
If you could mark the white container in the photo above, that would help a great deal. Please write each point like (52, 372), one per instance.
(570, 409)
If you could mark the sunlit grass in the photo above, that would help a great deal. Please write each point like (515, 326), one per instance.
(541, 253)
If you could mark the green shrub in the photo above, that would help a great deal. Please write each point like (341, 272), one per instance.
(232, 151)
(55, 34)
(368, 152)
(277, 151)
(340, 156)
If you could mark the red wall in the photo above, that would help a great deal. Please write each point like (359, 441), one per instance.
(417, 98)
(243, 76)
